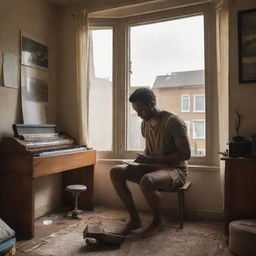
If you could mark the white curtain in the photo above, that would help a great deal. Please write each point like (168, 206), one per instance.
(82, 65)
(222, 22)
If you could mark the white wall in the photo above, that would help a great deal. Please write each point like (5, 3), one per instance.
(203, 199)
(38, 18)
(242, 96)
(67, 119)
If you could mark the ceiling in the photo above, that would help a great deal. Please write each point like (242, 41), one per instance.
(125, 8)
(146, 7)
(70, 2)
(65, 2)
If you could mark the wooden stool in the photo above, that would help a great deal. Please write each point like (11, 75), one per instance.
(181, 191)
(76, 190)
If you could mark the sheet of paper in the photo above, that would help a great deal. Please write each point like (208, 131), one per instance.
(34, 95)
(1, 69)
(10, 70)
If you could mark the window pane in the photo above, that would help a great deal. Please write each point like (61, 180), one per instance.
(198, 129)
(199, 103)
(100, 93)
(198, 144)
(185, 103)
(136, 141)
(171, 63)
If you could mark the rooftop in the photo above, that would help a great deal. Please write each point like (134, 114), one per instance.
(180, 79)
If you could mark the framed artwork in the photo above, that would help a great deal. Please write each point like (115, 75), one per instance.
(34, 53)
(247, 45)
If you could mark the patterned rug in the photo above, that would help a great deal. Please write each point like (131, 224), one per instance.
(196, 239)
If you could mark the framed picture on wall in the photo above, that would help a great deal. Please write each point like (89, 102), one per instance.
(34, 53)
(247, 45)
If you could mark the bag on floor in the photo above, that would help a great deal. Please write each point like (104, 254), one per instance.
(96, 237)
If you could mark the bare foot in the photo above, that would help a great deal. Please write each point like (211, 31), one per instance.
(131, 225)
(154, 228)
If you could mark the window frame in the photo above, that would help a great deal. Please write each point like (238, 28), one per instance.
(194, 103)
(121, 75)
(102, 23)
(182, 104)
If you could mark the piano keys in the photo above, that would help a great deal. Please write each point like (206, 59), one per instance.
(34, 151)
(60, 151)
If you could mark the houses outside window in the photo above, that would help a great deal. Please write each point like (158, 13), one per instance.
(185, 103)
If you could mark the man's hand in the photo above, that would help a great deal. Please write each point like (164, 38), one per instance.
(183, 153)
(144, 159)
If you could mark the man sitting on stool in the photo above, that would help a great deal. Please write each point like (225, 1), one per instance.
(162, 166)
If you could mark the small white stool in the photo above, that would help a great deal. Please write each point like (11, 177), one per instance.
(242, 237)
(76, 191)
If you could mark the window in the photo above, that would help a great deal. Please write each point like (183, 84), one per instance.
(198, 129)
(171, 63)
(185, 103)
(199, 104)
(168, 65)
(100, 93)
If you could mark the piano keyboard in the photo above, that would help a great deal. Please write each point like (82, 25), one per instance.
(38, 144)
(60, 151)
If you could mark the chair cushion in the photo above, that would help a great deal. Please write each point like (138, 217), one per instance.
(7, 245)
(242, 237)
(76, 188)
(5, 231)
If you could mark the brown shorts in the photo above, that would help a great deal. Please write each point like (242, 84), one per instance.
(176, 175)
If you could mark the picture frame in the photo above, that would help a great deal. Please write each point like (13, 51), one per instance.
(34, 52)
(247, 45)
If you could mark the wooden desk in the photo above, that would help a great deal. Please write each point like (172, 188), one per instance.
(240, 189)
(17, 184)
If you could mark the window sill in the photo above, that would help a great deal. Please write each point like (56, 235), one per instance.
(197, 168)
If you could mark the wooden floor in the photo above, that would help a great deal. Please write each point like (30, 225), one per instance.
(200, 229)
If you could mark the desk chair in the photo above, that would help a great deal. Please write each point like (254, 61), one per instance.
(181, 191)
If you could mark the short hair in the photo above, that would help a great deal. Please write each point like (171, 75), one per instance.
(144, 95)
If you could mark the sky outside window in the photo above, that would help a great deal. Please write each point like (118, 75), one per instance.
(102, 53)
(175, 45)
(170, 46)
